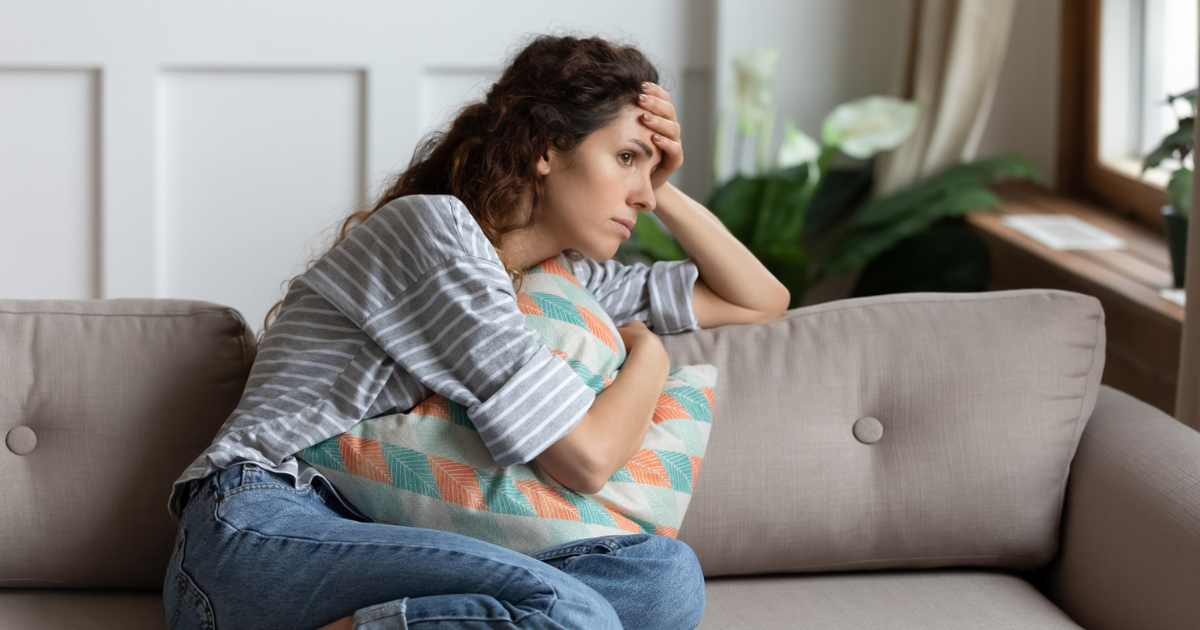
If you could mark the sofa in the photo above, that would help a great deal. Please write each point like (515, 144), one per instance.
(922, 460)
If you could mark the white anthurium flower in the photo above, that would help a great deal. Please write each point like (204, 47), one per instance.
(869, 125)
(754, 86)
(797, 148)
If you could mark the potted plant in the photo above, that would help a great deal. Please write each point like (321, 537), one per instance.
(1177, 148)
(906, 241)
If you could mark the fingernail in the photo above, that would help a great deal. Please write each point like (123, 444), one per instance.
(657, 137)
(642, 97)
(645, 116)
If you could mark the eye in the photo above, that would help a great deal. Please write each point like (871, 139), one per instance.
(621, 155)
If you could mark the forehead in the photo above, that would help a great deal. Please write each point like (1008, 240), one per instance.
(625, 128)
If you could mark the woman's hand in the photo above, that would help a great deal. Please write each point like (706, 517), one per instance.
(638, 338)
(660, 118)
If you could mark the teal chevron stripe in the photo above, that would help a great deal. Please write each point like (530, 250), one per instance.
(621, 475)
(679, 469)
(595, 381)
(647, 526)
(693, 400)
(501, 496)
(590, 511)
(325, 453)
(558, 308)
(458, 415)
(410, 470)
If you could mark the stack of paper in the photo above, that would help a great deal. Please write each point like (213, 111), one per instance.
(1062, 231)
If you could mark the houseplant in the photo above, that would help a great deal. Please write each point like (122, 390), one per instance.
(912, 240)
(766, 208)
(1177, 148)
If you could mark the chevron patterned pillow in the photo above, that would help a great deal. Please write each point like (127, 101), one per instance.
(429, 467)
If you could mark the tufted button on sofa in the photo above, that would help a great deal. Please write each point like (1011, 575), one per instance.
(919, 460)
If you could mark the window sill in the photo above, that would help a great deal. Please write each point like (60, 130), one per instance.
(1143, 328)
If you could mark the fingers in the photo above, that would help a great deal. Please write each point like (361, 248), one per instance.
(672, 151)
(666, 127)
(657, 101)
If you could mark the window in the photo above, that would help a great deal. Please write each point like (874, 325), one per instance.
(1121, 60)
(1147, 53)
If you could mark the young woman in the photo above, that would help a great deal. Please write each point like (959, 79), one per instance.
(416, 297)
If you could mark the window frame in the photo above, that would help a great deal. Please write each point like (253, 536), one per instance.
(1080, 172)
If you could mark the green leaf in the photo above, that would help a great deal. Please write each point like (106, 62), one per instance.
(836, 195)
(1179, 190)
(736, 203)
(1178, 140)
(781, 213)
(861, 246)
(974, 174)
(651, 238)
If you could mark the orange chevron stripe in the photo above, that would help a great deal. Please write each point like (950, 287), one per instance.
(527, 306)
(551, 265)
(669, 409)
(665, 530)
(546, 501)
(708, 393)
(598, 328)
(696, 461)
(457, 482)
(623, 522)
(645, 468)
(434, 406)
(364, 458)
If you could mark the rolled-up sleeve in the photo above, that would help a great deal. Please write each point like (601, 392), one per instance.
(659, 294)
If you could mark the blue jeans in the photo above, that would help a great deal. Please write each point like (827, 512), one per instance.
(254, 552)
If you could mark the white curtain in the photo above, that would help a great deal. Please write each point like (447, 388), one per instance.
(954, 52)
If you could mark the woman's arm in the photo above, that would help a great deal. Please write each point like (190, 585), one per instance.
(614, 427)
(733, 287)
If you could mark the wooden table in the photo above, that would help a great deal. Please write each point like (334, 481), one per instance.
(1143, 329)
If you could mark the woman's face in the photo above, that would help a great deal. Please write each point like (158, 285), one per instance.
(604, 179)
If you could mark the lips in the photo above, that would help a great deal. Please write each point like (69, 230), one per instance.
(627, 225)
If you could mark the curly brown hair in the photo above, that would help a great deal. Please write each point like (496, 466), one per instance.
(554, 93)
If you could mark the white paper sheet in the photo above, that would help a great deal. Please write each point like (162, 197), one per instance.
(1175, 295)
(1063, 231)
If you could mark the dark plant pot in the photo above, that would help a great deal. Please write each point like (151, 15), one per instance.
(1177, 229)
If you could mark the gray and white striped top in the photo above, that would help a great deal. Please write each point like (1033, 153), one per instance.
(415, 301)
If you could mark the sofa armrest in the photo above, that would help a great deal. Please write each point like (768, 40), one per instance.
(1130, 548)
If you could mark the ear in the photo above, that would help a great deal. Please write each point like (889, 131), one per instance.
(543, 164)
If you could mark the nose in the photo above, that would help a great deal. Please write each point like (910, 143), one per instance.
(643, 195)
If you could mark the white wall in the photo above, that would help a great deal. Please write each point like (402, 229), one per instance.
(208, 150)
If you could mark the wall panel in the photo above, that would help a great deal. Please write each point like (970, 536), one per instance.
(254, 170)
(49, 195)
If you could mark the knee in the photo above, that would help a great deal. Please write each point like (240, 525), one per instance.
(682, 583)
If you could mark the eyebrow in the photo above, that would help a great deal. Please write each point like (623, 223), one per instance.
(649, 152)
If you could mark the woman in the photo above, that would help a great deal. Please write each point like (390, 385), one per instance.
(416, 297)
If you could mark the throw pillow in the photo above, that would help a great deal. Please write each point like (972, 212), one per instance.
(429, 468)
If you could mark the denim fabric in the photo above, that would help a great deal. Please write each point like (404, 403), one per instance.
(253, 551)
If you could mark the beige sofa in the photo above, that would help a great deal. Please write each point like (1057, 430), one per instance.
(907, 461)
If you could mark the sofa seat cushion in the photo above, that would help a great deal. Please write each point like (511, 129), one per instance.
(95, 609)
(930, 600)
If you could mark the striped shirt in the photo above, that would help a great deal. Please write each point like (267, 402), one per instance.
(415, 301)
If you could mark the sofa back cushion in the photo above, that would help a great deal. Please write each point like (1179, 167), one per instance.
(899, 431)
(103, 403)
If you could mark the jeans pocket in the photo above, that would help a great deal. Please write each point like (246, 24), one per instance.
(186, 606)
